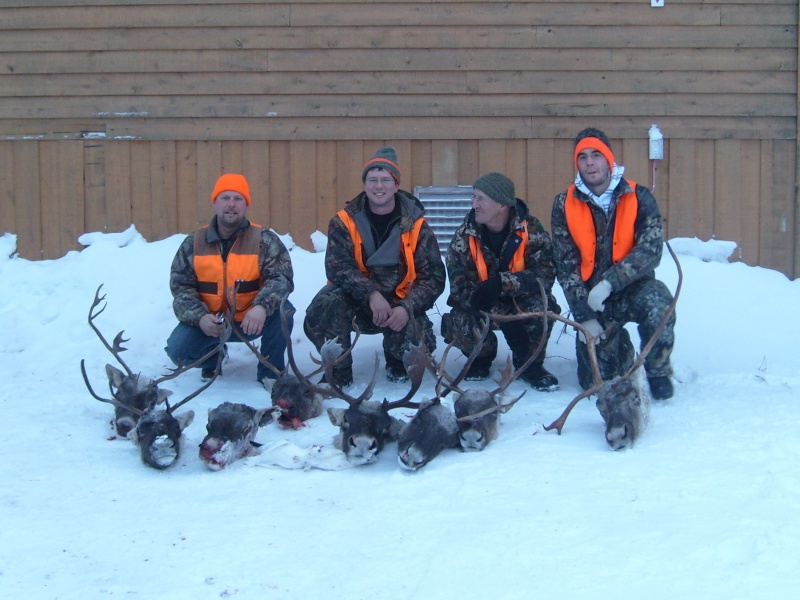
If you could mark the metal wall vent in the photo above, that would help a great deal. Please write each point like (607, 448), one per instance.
(445, 209)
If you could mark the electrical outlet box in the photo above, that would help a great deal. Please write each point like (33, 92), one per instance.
(656, 149)
(656, 143)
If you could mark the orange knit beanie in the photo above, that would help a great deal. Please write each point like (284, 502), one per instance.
(232, 182)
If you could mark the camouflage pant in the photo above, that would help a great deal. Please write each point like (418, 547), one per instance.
(331, 315)
(522, 337)
(643, 302)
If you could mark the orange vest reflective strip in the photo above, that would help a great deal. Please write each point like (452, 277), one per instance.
(581, 227)
(517, 261)
(216, 279)
(408, 241)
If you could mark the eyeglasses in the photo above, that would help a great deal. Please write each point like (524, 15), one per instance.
(381, 180)
(478, 199)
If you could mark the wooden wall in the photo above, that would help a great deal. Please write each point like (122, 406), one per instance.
(115, 112)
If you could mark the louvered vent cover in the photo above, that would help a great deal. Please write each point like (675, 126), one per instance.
(445, 209)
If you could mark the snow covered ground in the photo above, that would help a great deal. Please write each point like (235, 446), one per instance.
(706, 505)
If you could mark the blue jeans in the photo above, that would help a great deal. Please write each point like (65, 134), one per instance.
(187, 343)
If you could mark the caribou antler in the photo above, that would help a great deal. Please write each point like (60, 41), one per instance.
(507, 374)
(117, 348)
(591, 343)
(415, 360)
(113, 400)
(220, 350)
(331, 353)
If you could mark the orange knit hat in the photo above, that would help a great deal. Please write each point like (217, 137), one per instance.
(595, 144)
(232, 182)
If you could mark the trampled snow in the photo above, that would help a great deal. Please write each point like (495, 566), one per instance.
(706, 505)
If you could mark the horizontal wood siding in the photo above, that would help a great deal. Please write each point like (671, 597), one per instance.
(115, 112)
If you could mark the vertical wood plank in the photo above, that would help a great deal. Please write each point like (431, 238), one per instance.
(163, 189)
(141, 212)
(8, 218)
(29, 211)
(186, 186)
(279, 187)
(468, 162)
(118, 178)
(94, 188)
(779, 236)
(209, 168)
(661, 189)
(680, 212)
(563, 165)
(303, 190)
(61, 173)
(491, 156)
(638, 166)
(420, 166)
(705, 190)
(516, 169)
(444, 162)
(727, 192)
(232, 157)
(750, 199)
(350, 160)
(327, 184)
(255, 168)
(539, 191)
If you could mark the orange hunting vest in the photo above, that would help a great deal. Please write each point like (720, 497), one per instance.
(581, 226)
(408, 240)
(517, 261)
(216, 278)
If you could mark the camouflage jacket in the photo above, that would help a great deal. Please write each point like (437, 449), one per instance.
(640, 263)
(273, 261)
(463, 273)
(342, 269)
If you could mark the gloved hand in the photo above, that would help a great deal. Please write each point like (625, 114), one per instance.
(486, 294)
(594, 328)
(598, 295)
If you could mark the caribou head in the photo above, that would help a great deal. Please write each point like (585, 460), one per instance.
(137, 400)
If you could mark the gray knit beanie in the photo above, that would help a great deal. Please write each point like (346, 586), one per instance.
(498, 187)
(386, 159)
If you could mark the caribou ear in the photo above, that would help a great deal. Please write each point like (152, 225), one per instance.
(185, 419)
(336, 415)
(163, 395)
(115, 376)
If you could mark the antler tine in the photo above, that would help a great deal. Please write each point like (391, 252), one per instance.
(542, 340)
(117, 348)
(660, 329)
(415, 360)
(558, 424)
(591, 341)
(501, 408)
(112, 400)
(228, 316)
(330, 353)
(182, 368)
(304, 379)
(345, 353)
(261, 358)
(480, 338)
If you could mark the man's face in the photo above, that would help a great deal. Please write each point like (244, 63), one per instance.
(595, 170)
(231, 208)
(489, 212)
(380, 188)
